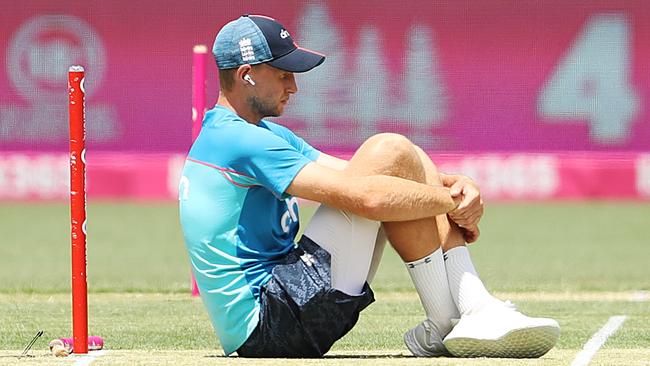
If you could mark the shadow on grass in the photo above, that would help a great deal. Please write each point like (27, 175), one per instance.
(361, 356)
(342, 357)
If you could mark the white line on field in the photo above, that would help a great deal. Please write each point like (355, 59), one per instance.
(598, 340)
(640, 296)
(89, 358)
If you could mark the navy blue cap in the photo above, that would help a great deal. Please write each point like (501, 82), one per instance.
(256, 39)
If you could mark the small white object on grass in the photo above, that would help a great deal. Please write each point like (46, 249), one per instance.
(58, 348)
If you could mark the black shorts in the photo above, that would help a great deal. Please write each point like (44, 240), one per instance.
(301, 315)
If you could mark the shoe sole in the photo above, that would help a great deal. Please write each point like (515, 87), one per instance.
(531, 342)
(415, 348)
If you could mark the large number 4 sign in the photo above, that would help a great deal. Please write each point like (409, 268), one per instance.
(592, 82)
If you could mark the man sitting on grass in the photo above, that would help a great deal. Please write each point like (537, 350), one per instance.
(268, 296)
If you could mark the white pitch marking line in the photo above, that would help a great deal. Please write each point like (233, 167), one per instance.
(598, 340)
(89, 358)
(640, 296)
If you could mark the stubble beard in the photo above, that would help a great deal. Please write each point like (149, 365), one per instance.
(263, 108)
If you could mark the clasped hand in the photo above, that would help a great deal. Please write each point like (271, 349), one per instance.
(470, 210)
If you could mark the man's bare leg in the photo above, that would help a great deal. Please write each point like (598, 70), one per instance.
(420, 243)
(352, 266)
(467, 289)
(488, 327)
(417, 242)
(431, 234)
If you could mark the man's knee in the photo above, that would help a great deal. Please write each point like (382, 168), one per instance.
(429, 165)
(390, 141)
(396, 155)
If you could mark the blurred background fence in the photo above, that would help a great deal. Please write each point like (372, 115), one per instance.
(534, 99)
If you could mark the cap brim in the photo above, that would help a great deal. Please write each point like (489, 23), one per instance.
(298, 60)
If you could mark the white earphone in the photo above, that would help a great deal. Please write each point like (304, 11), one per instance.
(249, 79)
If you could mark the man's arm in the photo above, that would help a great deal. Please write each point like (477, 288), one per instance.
(467, 214)
(376, 197)
(331, 161)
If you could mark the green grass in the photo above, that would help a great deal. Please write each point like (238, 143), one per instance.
(566, 246)
(149, 323)
(139, 248)
(138, 276)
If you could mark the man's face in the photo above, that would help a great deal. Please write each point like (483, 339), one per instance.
(272, 89)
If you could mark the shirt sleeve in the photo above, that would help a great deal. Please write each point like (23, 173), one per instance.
(294, 140)
(270, 159)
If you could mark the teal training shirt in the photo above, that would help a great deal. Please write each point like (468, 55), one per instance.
(237, 220)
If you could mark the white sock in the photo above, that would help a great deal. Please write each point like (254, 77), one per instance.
(466, 287)
(430, 279)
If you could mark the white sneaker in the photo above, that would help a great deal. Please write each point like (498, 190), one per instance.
(425, 341)
(501, 331)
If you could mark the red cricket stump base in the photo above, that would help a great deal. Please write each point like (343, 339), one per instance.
(94, 343)
(62, 347)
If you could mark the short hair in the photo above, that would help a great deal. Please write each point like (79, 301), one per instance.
(227, 78)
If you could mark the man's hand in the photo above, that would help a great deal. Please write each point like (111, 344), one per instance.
(470, 234)
(468, 214)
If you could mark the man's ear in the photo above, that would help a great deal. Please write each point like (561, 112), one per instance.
(242, 71)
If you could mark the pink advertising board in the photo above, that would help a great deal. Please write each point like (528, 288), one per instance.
(511, 176)
(454, 76)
